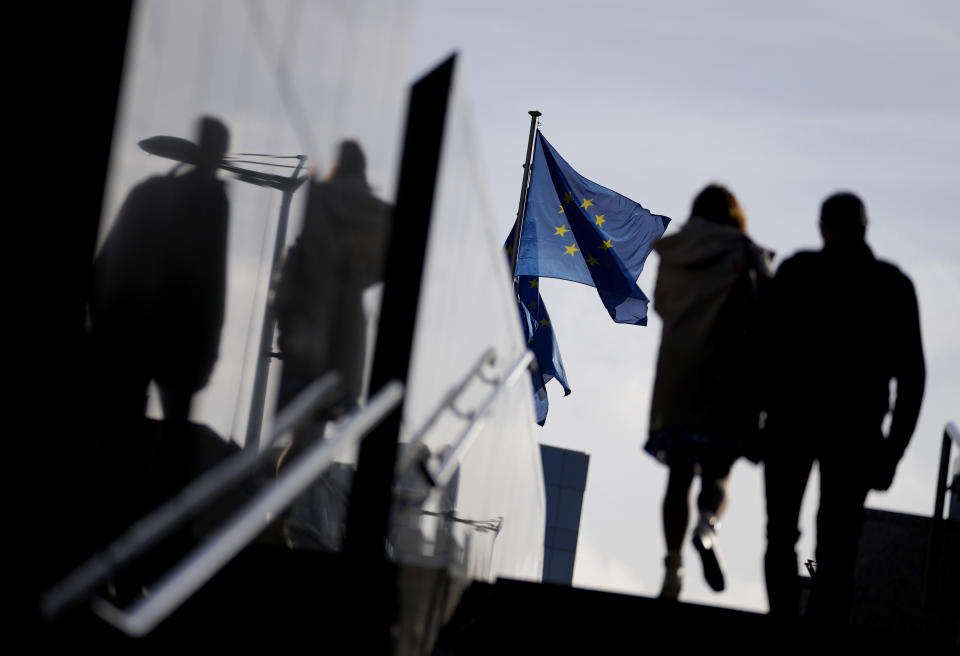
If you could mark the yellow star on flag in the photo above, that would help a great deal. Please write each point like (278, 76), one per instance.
(534, 283)
(600, 220)
(592, 260)
(561, 230)
(561, 210)
(571, 249)
(544, 322)
(587, 202)
(607, 245)
(568, 197)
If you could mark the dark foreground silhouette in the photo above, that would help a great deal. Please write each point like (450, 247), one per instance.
(843, 325)
(704, 407)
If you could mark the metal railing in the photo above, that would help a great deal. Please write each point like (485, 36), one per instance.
(208, 557)
(411, 450)
(423, 477)
(190, 501)
(951, 436)
(415, 454)
(478, 418)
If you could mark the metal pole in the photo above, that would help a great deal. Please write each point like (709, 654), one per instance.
(257, 398)
(518, 226)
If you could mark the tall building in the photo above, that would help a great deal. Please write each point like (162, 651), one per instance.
(565, 479)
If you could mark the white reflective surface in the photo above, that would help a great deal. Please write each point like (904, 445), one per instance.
(290, 78)
(287, 78)
(467, 306)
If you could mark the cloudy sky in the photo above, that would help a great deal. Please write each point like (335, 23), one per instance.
(785, 104)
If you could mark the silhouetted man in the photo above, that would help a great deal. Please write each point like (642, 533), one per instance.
(844, 324)
(156, 313)
(160, 281)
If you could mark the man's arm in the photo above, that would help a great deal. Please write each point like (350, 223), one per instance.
(910, 373)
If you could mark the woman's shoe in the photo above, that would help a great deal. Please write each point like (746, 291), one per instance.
(673, 573)
(705, 542)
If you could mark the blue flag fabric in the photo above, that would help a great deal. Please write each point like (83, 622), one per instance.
(575, 229)
(538, 331)
(542, 341)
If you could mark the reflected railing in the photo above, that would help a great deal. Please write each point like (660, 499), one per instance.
(411, 450)
(426, 480)
(207, 558)
(465, 440)
(433, 472)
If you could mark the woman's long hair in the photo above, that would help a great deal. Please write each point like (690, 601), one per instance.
(717, 205)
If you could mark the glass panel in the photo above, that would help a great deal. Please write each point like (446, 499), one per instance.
(287, 79)
(283, 79)
(467, 306)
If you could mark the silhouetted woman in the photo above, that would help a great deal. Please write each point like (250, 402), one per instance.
(704, 405)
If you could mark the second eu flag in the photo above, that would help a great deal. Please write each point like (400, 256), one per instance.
(575, 229)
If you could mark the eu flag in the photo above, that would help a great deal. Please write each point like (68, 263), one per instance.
(575, 229)
(538, 331)
(542, 341)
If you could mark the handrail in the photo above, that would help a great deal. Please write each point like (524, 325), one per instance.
(195, 496)
(953, 432)
(950, 433)
(935, 549)
(449, 465)
(207, 558)
(954, 486)
(410, 452)
(304, 404)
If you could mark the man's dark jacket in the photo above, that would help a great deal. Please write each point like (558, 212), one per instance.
(160, 279)
(844, 324)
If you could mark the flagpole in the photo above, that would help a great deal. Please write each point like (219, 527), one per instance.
(518, 226)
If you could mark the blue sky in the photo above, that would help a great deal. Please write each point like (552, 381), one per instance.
(785, 104)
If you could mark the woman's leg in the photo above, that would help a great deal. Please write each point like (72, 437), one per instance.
(712, 500)
(676, 504)
(676, 516)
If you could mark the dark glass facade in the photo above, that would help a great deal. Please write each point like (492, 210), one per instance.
(565, 479)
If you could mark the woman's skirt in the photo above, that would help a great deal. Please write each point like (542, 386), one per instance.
(702, 447)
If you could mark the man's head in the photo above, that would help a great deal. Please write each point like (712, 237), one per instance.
(843, 217)
(213, 138)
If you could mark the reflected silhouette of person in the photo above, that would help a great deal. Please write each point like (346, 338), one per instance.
(705, 406)
(843, 325)
(339, 253)
(159, 285)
